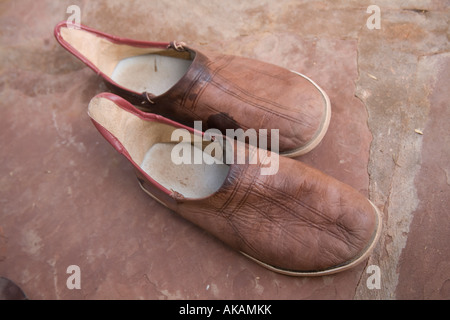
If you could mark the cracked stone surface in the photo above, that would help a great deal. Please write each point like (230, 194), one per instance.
(67, 198)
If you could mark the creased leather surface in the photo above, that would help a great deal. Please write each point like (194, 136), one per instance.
(298, 219)
(230, 92)
(226, 92)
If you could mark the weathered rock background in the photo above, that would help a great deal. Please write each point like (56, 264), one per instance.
(67, 198)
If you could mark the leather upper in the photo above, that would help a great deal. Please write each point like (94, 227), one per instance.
(223, 91)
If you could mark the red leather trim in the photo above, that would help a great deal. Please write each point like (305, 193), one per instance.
(116, 39)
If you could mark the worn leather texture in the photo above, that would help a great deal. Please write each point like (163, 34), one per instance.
(298, 220)
(228, 92)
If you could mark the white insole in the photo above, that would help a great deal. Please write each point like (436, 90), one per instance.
(190, 180)
(151, 73)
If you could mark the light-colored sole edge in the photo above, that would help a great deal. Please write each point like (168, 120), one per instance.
(351, 264)
(323, 126)
(365, 254)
